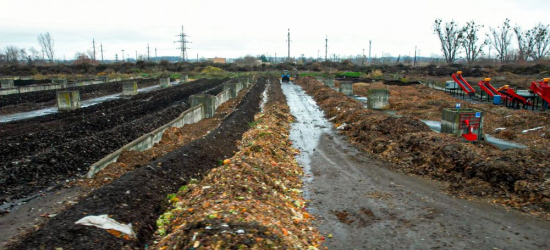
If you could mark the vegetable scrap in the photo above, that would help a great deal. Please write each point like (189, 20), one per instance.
(253, 201)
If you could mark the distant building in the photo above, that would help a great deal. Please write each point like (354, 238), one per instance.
(217, 60)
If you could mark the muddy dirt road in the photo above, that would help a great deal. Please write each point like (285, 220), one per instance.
(364, 205)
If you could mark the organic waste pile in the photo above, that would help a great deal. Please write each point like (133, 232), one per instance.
(253, 201)
(518, 178)
(23, 102)
(50, 150)
(521, 126)
(138, 197)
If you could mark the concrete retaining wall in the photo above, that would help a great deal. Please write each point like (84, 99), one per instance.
(207, 101)
(7, 83)
(222, 97)
(190, 116)
(233, 87)
(60, 84)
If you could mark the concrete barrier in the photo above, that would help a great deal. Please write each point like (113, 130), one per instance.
(453, 121)
(9, 91)
(129, 88)
(329, 81)
(346, 88)
(62, 82)
(233, 87)
(378, 99)
(164, 82)
(7, 83)
(207, 101)
(68, 100)
(184, 78)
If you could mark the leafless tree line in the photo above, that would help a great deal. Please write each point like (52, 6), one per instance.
(14, 55)
(532, 44)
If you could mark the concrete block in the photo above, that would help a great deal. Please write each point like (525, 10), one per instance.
(7, 84)
(378, 99)
(233, 88)
(346, 88)
(453, 121)
(208, 102)
(184, 78)
(68, 100)
(129, 88)
(329, 81)
(164, 82)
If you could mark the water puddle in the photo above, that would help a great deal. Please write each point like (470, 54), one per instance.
(309, 126)
(53, 110)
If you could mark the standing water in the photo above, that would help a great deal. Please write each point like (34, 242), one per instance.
(308, 127)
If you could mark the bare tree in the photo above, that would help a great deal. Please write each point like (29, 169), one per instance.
(450, 39)
(470, 41)
(47, 43)
(541, 42)
(12, 54)
(526, 43)
(500, 39)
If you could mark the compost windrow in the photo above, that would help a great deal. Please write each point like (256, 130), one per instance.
(86, 92)
(137, 197)
(63, 149)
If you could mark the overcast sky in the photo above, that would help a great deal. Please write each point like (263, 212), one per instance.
(233, 28)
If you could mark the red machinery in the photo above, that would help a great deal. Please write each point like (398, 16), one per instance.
(469, 122)
(486, 86)
(542, 89)
(464, 85)
(514, 97)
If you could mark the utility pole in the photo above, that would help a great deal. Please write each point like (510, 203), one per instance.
(116, 57)
(363, 58)
(101, 46)
(197, 57)
(326, 47)
(156, 59)
(147, 52)
(275, 57)
(370, 42)
(183, 44)
(288, 41)
(93, 42)
(317, 55)
(122, 55)
(414, 63)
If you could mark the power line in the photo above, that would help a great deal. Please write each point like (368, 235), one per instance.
(183, 44)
